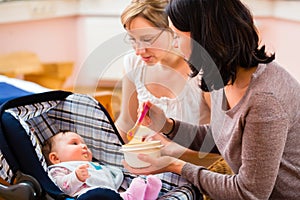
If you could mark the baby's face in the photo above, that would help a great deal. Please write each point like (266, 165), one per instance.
(70, 146)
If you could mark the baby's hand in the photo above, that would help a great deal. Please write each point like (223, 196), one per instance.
(82, 172)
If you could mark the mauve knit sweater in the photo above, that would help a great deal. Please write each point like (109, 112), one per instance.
(259, 138)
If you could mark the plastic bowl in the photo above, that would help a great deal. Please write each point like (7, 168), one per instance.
(131, 151)
(141, 144)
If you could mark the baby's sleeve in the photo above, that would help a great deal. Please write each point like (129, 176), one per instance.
(66, 180)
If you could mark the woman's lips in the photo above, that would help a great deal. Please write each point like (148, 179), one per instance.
(146, 59)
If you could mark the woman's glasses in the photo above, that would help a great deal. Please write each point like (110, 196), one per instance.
(145, 41)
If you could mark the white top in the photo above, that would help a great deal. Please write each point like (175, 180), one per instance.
(185, 107)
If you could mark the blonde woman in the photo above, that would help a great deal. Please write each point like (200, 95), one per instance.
(157, 72)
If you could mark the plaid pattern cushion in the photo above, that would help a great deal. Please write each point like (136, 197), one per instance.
(5, 172)
(83, 114)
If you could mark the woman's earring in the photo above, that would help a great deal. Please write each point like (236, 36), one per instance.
(175, 41)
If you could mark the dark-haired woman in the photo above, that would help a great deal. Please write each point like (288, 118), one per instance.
(255, 106)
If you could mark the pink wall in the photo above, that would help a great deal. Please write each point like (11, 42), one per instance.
(283, 37)
(63, 39)
(52, 40)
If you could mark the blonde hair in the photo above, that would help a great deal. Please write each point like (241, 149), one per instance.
(151, 10)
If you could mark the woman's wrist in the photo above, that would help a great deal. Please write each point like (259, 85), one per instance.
(169, 127)
(176, 166)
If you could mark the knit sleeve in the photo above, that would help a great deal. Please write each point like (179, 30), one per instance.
(190, 136)
(263, 139)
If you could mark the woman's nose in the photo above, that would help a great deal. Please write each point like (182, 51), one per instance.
(139, 49)
(84, 146)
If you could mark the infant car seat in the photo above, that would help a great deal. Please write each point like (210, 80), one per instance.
(26, 122)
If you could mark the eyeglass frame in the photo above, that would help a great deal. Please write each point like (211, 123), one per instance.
(145, 44)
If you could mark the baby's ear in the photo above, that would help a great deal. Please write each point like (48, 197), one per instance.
(53, 158)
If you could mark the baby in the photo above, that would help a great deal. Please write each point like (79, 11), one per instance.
(71, 168)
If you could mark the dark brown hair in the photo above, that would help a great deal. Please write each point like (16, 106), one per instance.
(225, 29)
